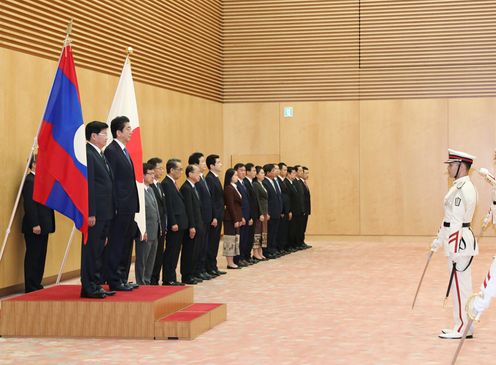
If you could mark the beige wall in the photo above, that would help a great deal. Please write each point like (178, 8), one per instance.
(376, 166)
(170, 124)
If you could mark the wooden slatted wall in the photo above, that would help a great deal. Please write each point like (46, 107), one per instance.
(277, 50)
(358, 49)
(178, 44)
(427, 48)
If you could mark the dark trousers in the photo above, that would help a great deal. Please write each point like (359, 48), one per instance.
(173, 244)
(213, 246)
(244, 236)
(92, 256)
(159, 260)
(34, 260)
(294, 229)
(282, 233)
(190, 254)
(273, 228)
(119, 249)
(201, 261)
(251, 239)
(304, 227)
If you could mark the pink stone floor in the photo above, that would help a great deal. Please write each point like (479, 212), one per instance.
(338, 303)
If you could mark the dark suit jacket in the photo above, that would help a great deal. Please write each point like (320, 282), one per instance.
(207, 208)
(176, 210)
(300, 188)
(162, 206)
(193, 206)
(286, 203)
(233, 211)
(217, 195)
(245, 200)
(295, 197)
(274, 200)
(252, 197)
(126, 191)
(262, 197)
(35, 214)
(308, 203)
(100, 186)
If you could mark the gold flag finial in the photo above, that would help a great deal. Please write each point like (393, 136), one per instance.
(68, 33)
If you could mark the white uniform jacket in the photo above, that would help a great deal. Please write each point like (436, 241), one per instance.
(459, 206)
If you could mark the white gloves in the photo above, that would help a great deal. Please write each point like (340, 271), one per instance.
(435, 244)
(489, 177)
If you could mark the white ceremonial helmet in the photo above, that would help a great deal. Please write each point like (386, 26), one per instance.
(459, 156)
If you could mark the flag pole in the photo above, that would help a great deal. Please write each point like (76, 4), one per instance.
(65, 255)
(33, 147)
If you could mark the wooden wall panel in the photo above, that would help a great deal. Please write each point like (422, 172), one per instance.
(172, 125)
(369, 49)
(402, 178)
(427, 48)
(178, 44)
(324, 137)
(290, 50)
(251, 129)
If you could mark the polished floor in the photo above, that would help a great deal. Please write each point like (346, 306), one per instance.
(341, 302)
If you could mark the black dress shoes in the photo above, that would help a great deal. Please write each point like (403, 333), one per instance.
(190, 281)
(133, 285)
(205, 276)
(108, 293)
(122, 287)
(172, 283)
(94, 295)
(213, 274)
(218, 272)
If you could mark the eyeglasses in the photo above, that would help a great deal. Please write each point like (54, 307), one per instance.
(178, 168)
(103, 134)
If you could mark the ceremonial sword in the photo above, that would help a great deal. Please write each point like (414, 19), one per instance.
(422, 277)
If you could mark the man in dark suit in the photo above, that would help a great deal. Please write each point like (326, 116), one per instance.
(308, 204)
(282, 235)
(214, 185)
(158, 169)
(246, 222)
(300, 186)
(37, 223)
(101, 211)
(201, 186)
(251, 173)
(177, 221)
(275, 210)
(194, 234)
(296, 197)
(119, 250)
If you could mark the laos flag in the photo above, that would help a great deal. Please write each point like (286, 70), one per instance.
(61, 181)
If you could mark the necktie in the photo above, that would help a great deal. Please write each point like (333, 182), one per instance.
(105, 160)
(206, 185)
(127, 156)
(278, 189)
(196, 192)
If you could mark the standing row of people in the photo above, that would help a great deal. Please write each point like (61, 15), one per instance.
(267, 211)
(264, 211)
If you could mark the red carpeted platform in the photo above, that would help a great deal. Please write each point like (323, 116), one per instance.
(60, 312)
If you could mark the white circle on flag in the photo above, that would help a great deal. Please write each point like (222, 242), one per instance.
(80, 145)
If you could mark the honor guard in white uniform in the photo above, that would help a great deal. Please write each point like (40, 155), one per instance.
(482, 300)
(457, 238)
